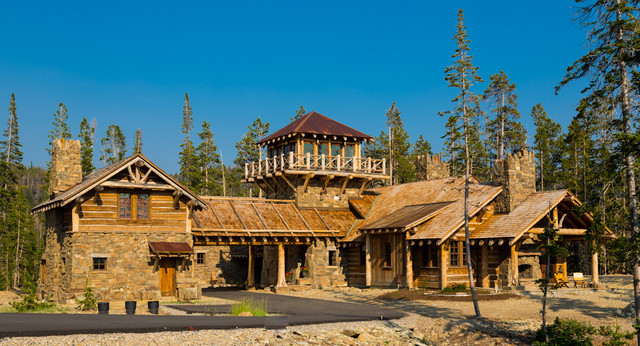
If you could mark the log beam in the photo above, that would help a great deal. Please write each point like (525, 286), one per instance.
(409, 262)
(368, 259)
(251, 269)
(515, 278)
(282, 281)
(444, 264)
(595, 275)
(484, 266)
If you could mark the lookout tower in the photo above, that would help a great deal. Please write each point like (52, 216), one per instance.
(315, 161)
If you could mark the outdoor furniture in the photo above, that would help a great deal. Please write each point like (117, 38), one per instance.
(560, 281)
(578, 279)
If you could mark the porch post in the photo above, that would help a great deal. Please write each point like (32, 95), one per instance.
(484, 266)
(409, 261)
(594, 268)
(251, 269)
(444, 264)
(515, 277)
(282, 281)
(368, 259)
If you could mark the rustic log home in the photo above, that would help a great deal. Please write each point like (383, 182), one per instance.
(134, 232)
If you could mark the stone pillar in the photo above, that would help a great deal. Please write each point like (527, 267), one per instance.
(517, 175)
(595, 277)
(444, 264)
(282, 281)
(431, 167)
(484, 266)
(251, 269)
(408, 262)
(66, 169)
(368, 260)
(515, 278)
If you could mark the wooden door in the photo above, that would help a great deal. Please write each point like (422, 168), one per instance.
(167, 270)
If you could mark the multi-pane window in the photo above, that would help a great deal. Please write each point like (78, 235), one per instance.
(99, 263)
(125, 205)
(386, 251)
(336, 149)
(348, 151)
(323, 148)
(200, 258)
(455, 249)
(308, 148)
(142, 210)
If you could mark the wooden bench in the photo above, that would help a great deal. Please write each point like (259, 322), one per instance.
(578, 279)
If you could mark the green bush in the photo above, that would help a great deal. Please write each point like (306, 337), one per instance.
(447, 289)
(30, 304)
(567, 332)
(256, 308)
(88, 302)
(460, 287)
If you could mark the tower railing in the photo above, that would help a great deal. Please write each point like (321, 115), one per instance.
(307, 162)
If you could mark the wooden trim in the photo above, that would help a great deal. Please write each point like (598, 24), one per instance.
(260, 216)
(301, 217)
(368, 271)
(444, 264)
(280, 215)
(238, 215)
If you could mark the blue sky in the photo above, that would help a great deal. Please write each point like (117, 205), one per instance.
(130, 63)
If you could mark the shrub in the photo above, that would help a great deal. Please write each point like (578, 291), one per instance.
(567, 333)
(30, 304)
(447, 289)
(460, 287)
(88, 302)
(256, 308)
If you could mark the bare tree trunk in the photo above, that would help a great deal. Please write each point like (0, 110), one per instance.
(390, 155)
(541, 171)
(544, 297)
(16, 268)
(502, 129)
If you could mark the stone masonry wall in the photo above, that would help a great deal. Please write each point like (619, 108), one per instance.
(215, 267)
(431, 167)
(66, 170)
(317, 258)
(55, 278)
(314, 198)
(517, 175)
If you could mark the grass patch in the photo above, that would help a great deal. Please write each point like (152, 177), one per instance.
(256, 308)
(166, 302)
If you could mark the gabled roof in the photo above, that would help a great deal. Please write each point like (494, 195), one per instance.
(237, 216)
(101, 175)
(316, 123)
(407, 216)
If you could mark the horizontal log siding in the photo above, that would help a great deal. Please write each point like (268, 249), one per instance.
(355, 272)
(102, 214)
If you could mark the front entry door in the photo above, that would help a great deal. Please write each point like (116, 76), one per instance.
(167, 276)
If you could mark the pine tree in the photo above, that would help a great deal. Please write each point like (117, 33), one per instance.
(11, 145)
(114, 146)
(247, 149)
(188, 160)
(137, 142)
(299, 114)
(208, 158)
(86, 135)
(60, 127)
(610, 64)
(421, 147)
(547, 147)
(453, 147)
(462, 75)
(504, 128)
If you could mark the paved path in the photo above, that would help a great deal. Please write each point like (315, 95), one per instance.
(297, 310)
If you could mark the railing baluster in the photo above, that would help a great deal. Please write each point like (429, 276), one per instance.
(323, 162)
(308, 161)
(291, 164)
(246, 170)
(338, 162)
(384, 166)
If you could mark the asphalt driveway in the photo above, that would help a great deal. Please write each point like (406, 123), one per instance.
(290, 310)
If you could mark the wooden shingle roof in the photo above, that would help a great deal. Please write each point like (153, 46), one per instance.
(316, 123)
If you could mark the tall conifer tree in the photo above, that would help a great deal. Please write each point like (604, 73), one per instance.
(462, 75)
(188, 160)
(546, 145)
(86, 135)
(137, 142)
(60, 126)
(114, 146)
(10, 146)
(208, 158)
(299, 114)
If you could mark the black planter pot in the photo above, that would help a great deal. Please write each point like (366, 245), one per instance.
(130, 307)
(153, 306)
(103, 308)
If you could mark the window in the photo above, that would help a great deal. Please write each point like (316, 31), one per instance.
(363, 256)
(323, 148)
(125, 205)
(308, 148)
(348, 151)
(99, 263)
(142, 211)
(292, 147)
(429, 256)
(333, 260)
(457, 248)
(387, 254)
(286, 149)
(200, 258)
(336, 149)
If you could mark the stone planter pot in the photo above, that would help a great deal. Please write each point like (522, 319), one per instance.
(153, 306)
(103, 308)
(304, 274)
(130, 307)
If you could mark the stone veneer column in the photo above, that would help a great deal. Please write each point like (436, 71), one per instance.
(66, 169)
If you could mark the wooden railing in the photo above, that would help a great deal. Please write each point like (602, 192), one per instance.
(308, 162)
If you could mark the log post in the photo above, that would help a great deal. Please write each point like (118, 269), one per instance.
(409, 262)
(444, 264)
(595, 277)
(251, 269)
(484, 269)
(282, 281)
(513, 280)
(368, 259)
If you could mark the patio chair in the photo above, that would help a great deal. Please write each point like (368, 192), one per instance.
(560, 281)
(578, 280)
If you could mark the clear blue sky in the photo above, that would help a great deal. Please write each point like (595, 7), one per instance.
(130, 63)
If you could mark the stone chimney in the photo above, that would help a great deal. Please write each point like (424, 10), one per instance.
(431, 167)
(66, 170)
(517, 175)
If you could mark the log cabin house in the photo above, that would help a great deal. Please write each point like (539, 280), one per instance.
(134, 232)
